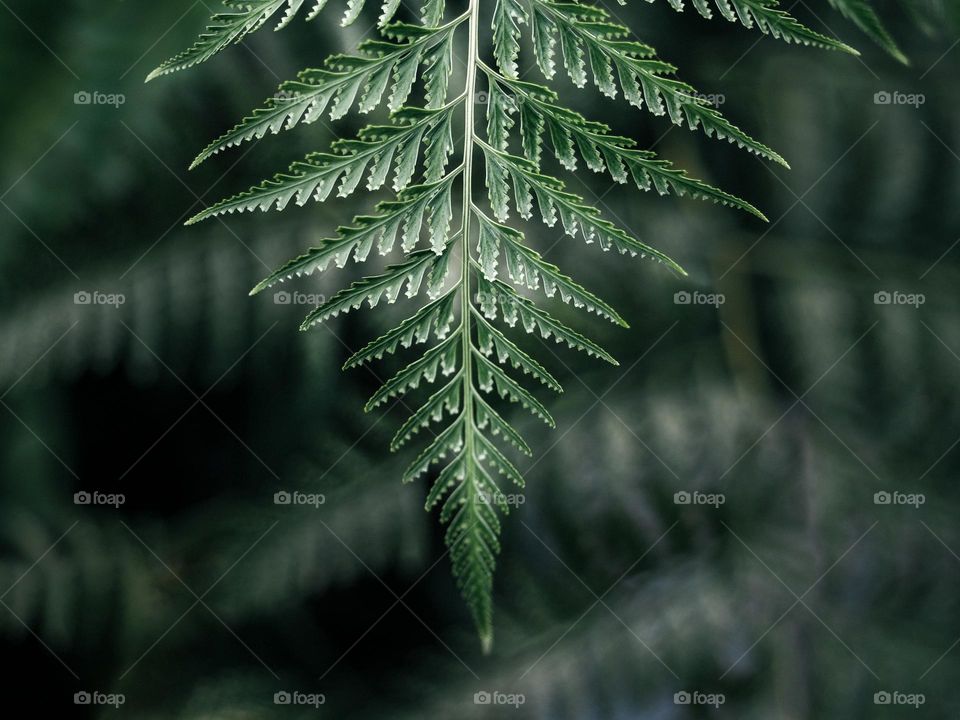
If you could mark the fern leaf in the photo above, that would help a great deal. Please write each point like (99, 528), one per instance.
(442, 357)
(533, 319)
(486, 416)
(500, 463)
(432, 12)
(508, 15)
(248, 16)
(471, 358)
(865, 17)
(403, 217)
(437, 68)
(642, 77)
(571, 135)
(389, 285)
(447, 399)
(490, 340)
(345, 80)
(473, 539)
(769, 19)
(451, 439)
(378, 148)
(491, 377)
(575, 215)
(436, 317)
(226, 29)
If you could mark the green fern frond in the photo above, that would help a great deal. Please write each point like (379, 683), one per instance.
(479, 275)
(766, 16)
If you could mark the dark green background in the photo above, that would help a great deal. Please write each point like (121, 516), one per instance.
(798, 399)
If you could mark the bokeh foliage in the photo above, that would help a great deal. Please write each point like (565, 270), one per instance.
(704, 399)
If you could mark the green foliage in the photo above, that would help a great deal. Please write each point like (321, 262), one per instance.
(767, 17)
(861, 14)
(482, 270)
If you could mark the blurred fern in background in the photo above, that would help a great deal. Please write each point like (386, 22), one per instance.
(691, 597)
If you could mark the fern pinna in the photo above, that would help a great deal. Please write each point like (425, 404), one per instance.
(473, 270)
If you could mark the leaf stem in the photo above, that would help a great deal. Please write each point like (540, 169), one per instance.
(469, 138)
(468, 149)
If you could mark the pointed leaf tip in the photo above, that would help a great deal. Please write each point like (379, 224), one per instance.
(486, 642)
